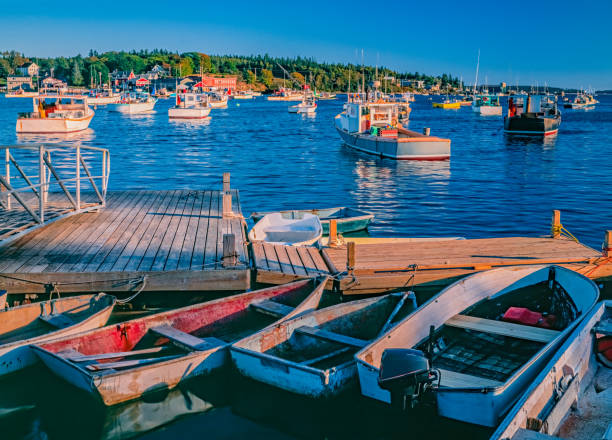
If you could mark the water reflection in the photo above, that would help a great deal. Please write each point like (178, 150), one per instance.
(524, 140)
(55, 138)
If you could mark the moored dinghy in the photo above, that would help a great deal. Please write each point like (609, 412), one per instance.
(124, 361)
(347, 219)
(313, 354)
(490, 334)
(38, 322)
(572, 395)
(275, 228)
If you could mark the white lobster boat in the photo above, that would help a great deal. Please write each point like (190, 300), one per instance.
(103, 97)
(372, 127)
(308, 105)
(217, 100)
(134, 104)
(484, 340)
(34, 323)
(190, 106)
(56, 114)
(487, 105)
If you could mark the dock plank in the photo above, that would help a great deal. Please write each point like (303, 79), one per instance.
(166, 244)
(214, 216)
(188, 248)
(199, 246)
(193, 203)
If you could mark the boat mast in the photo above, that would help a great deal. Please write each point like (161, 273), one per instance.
(477, 67)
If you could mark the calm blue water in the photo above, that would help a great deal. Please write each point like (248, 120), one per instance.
(493, 185)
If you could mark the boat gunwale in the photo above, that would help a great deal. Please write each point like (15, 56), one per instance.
(58, 333)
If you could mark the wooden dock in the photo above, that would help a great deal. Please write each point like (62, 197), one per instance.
(158, 240)
(381, 267)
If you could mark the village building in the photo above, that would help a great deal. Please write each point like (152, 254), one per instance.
(19, 82)
(29, 69)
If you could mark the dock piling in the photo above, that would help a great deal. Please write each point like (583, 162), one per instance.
(607, 245)
(229, 250)
(350, 257)
(556, 224)
(227, 196)
(333, 233)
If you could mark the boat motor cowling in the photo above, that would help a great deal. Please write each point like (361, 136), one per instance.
(405, 373)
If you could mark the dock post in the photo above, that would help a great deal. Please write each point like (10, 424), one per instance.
(607, 245)
(556, 224)
(78, 177)
(227, 196)
(229, 250)
(7, 176)
(333, 233)
(350, 257)
(426, 131)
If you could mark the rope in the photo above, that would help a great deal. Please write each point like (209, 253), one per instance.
(561, 230)
(597, 265)
(143, 282)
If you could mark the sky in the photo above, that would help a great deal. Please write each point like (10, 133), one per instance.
(558, 43)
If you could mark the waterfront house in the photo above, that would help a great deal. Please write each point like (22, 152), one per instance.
(19, 82)
(29, 69)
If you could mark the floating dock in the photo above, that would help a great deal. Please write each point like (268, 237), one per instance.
(162, 240)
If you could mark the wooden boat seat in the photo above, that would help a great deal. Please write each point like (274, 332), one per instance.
(59, 320)
(331, 336)
(452, 379)
(272, 308)
(503, 328)
(185, 340)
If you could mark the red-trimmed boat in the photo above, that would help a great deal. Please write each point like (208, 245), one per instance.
(532, 115)
(122, 362)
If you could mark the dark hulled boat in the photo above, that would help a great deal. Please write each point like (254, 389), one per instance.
(530, 116)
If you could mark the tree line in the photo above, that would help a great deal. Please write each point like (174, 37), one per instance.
(257, 70)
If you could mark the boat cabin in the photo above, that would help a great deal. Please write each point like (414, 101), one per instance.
(486, 100)
(537, 105)
(57, 106)
(361, 117)
(187, 99)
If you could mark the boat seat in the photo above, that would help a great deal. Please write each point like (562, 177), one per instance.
(57, 320)
(185, 340)
(272, 308)
(453, 379)
(519, 331)
(331, 336)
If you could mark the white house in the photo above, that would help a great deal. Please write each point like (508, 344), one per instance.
(30, 69)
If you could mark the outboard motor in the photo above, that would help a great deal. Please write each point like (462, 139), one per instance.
(406, 374)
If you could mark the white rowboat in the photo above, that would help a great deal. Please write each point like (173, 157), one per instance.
(275, 228)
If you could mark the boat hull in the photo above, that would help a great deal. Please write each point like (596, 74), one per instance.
(422, 148)
(18, 355)
(103, 100)
(218, 104)
(482, 405)
(124, 385)
(347, 219)
(133, 108)
(487, 110)
(446, 105)
(536, 126)
(53, 125)
(188, 113)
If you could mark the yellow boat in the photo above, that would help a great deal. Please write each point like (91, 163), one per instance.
(446, 105)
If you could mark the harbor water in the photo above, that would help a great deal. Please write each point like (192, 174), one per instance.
(493, 185)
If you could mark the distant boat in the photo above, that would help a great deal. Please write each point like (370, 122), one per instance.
(528, 115)
(56, 114)
(275, 228)
(103, 97)
(487, 105)
(447, 104)
(347, 219)
(134, 103)
(312, 354)
(241, 95)
(372, 127)
(33, 323)
(124, 361)
(581, 101)
(286, 95)
(308, 105)
(486, 337)
(570, 397)
(190, 106)
(217, 100)
(20, 93)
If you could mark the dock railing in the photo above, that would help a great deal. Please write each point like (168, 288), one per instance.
(45, 183)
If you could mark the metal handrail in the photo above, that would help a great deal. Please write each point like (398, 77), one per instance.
(40, 183)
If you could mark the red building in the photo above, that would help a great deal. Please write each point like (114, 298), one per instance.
(220, 82)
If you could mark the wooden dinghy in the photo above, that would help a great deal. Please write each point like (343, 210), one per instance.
(572, 395)
(124, 361)
(481, 352)
(274, 228)
(347, 219)
(313, 354)
(39, 322)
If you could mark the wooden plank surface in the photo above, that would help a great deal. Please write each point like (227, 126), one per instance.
(165, 235)
(453, 379)
(503, 328)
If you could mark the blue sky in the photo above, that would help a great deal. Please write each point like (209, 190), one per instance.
(562, 43)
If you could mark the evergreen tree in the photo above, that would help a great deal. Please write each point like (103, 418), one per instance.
(77, 76)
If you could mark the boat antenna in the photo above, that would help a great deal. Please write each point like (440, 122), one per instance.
(477, 67)
(348, 93)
